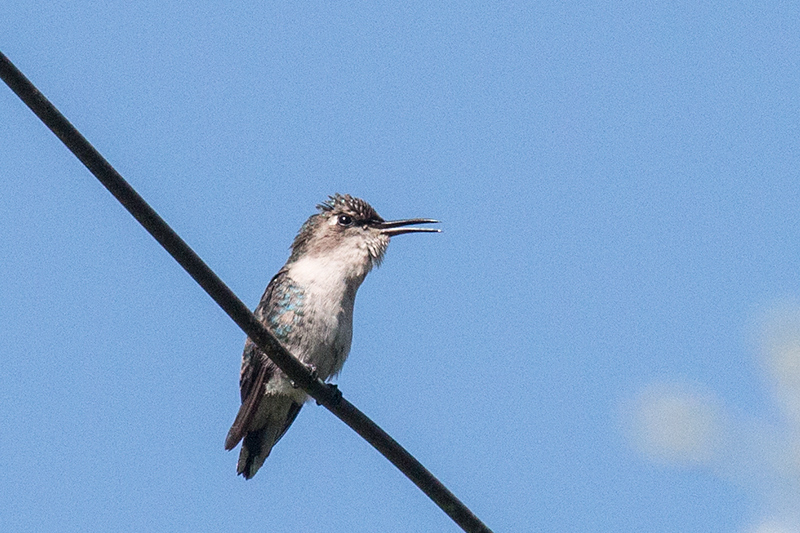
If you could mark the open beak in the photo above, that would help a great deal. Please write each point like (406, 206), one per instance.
(398, 227)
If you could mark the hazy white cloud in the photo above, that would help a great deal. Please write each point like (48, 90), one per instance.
(684, 425)
(674, 423)
(779, 347)
(774, 526)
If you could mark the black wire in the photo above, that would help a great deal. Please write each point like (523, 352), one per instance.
(326, 395)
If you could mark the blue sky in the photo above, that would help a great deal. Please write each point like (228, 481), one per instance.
(606, 337)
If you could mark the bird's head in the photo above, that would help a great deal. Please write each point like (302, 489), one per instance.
(349, 230)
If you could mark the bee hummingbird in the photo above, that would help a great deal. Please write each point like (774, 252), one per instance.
(308, 306)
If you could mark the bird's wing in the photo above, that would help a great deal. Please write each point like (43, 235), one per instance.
(256, 372)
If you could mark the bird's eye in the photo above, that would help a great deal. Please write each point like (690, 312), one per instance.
(345, 220)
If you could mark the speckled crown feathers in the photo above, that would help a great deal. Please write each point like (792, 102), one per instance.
(357, 207)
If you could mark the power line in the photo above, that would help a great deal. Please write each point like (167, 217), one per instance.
(326, 395)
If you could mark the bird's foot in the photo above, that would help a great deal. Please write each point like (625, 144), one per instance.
(336, 394)
(311, 370)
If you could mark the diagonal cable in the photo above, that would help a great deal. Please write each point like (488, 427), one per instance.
(326, 395)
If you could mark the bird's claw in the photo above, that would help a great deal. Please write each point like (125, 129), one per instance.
(336, 394)
(311, 370)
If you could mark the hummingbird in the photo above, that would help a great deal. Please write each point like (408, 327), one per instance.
(308, 307)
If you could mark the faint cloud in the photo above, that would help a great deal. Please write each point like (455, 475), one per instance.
(683, 425)
(779, 343)
(774, 526)
(673, 423)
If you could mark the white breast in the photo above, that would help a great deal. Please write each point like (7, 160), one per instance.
(329, 296)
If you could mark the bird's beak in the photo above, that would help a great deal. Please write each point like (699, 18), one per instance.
(398, 227)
